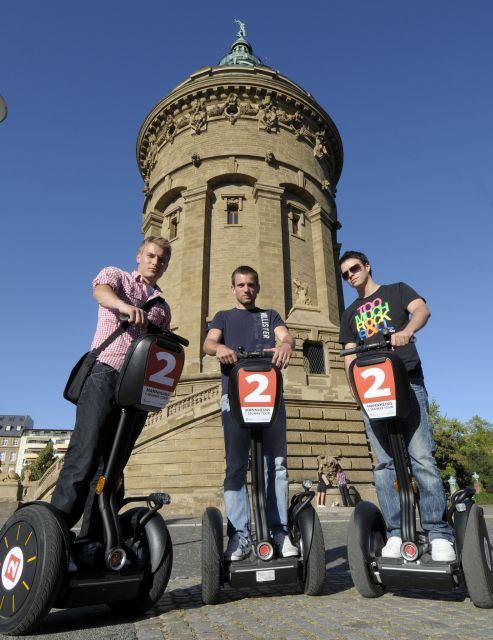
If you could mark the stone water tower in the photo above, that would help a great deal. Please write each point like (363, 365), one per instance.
(240, 166)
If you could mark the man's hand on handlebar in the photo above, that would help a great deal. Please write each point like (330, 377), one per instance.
(136, 317)
(401, 338)
(281, 355)
(225, 355)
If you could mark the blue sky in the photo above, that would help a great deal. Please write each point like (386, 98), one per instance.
(408, 84)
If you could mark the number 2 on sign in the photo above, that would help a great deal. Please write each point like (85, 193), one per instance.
(161, 376)
(375, 390)
(257, 394)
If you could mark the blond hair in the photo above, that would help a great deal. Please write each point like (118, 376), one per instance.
(160, 241)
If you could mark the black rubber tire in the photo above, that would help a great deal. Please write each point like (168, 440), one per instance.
(212, 555)
(35, 531)
(477, 562)
(359, 566)
(154, 583)
(315, 565)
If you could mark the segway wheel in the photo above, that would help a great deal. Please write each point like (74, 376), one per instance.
(154, 583)
(212, 555)
(315, 564)
(477, 563)
(358, 564)
(33, 559)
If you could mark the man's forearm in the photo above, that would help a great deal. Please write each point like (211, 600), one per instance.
(210, 346)
(418, 319)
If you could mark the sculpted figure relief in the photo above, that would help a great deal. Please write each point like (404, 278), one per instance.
(198, 115)
(301, 292)
(267, 115)
(320, 150)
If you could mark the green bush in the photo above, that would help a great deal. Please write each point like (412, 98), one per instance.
(483, 497)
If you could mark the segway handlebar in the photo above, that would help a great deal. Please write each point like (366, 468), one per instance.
(152, 328)
(241, 354)
(384, 343)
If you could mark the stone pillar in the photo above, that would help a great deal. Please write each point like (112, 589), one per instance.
(323, 256)
(153, 224)
(195, 275)
(270, 246)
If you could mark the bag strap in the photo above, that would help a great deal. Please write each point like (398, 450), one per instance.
(122, 328)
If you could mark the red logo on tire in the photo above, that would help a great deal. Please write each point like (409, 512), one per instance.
(12, 568)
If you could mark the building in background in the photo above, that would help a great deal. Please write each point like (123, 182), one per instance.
(33, 441)
(11, 430)
(20, 442)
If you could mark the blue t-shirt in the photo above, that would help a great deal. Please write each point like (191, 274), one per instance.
(252, 329)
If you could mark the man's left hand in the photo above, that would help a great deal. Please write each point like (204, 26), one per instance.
(401, 338)
(281, 355)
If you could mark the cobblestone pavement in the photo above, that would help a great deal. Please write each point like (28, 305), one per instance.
(340, 613)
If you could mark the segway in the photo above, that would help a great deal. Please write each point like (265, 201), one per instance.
(44, 566)
(379, 381)
(255, 391)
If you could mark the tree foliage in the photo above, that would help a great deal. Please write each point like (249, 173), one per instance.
(42, 463)
(463, 448)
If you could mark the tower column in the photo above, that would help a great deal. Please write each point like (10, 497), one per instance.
(269, 245)
(322, 223)
(195, 276)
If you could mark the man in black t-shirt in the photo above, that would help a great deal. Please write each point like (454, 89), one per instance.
(253, 329)
(399, 309)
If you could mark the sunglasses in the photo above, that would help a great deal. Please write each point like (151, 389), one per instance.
(356, 268)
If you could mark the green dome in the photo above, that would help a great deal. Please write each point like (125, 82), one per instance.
(241, 52)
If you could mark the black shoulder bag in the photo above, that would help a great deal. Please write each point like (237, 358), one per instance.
(83, 368)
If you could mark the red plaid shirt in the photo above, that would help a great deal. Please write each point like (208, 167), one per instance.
(131, 288)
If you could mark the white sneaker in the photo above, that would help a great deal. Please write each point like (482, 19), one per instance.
(393, 548)
(284, 545)
(442, 550)
(236, 549)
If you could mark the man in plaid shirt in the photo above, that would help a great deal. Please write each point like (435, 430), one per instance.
(97, 416)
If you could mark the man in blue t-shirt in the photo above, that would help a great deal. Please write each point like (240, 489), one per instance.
(253, 329)
(399, 309)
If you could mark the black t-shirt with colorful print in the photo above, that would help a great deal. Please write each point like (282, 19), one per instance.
(366, 317)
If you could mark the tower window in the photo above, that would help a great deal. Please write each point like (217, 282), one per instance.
(232, 212)
(313, 357)
(295, 224)
(173, 228)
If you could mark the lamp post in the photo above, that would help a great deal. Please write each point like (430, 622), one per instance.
(453, 484)
(477, 484)
(3, 109)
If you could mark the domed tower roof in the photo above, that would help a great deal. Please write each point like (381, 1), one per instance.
(241, 51)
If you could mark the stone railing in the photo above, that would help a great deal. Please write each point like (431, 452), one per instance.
(182, 405)
(39, 489)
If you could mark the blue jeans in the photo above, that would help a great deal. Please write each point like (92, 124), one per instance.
(418, 435)
(237, 444)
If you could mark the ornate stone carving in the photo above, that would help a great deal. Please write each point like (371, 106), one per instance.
(267, 115)
(198, 116)
(231, 108)
(301, 292)
(269, 157)
(320, 150)
(196, 160)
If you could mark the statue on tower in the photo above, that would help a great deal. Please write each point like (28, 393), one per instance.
(242, 31)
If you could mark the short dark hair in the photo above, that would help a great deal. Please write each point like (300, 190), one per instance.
(244, 270)
(356, 255)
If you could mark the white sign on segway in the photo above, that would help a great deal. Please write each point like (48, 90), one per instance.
(257, 394)
(161, 377)
(375, 386)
